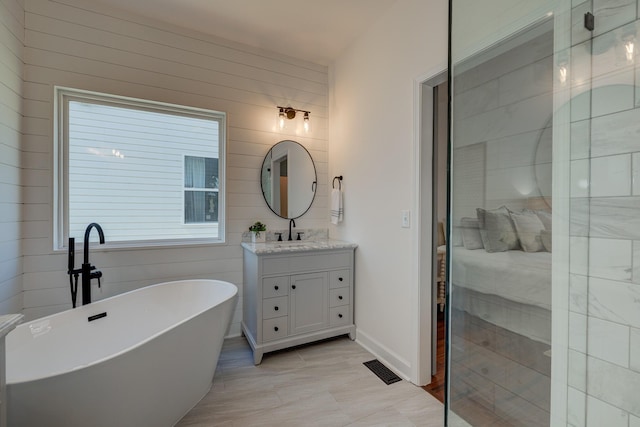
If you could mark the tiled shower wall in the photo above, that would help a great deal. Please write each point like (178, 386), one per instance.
(604, 318)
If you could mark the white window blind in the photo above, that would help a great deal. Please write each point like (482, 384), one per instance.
(147, 172)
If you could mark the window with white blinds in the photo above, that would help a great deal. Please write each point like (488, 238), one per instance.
(149, 173)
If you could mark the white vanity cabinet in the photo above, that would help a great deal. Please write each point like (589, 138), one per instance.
(309, 297)
(293, 297)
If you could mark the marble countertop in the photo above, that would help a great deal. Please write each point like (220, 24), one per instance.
(297, 246)
(8, 322)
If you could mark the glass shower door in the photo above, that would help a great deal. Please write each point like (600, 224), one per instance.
(544, 302)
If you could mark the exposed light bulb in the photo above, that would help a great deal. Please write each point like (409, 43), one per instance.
(306, 122)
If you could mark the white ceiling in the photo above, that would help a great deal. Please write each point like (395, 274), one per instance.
(313, 30)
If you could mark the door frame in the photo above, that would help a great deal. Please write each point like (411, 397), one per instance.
(423, 313)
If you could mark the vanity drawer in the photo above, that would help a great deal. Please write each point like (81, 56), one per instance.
(273, 329)
(301, 263)
(338, 297)
(339, 316)
(275, 307)
(339, 278)
(275, 286)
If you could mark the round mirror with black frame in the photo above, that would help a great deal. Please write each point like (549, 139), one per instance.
(288, 179)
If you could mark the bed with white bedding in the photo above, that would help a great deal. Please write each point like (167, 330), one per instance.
(502, 273)
(518, 276)
(510, 289)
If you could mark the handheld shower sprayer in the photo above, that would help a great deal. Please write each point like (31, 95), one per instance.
(73, 273)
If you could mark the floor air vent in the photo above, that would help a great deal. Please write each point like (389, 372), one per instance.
(384, 373)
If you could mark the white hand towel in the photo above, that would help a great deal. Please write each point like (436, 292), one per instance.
(337, 211)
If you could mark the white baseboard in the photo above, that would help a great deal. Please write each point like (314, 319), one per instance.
(390, 359)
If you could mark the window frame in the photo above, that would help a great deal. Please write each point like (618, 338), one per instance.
(62, 96)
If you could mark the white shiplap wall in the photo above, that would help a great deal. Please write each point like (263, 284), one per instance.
(75, 44)
(11, 66)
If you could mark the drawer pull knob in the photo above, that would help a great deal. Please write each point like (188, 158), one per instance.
(276, 308)
(293, 286)
(340, 315)
(340, 279)
(339, 296)
(275, 328)
(276, 287)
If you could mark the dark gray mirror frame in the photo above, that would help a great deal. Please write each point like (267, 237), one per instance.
(313, 185)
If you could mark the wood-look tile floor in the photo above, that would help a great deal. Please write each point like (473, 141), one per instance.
(321, 384)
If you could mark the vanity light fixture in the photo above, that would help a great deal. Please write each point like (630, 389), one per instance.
(289, 113)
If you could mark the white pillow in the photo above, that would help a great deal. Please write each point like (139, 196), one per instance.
(528, 226)
(497, 230)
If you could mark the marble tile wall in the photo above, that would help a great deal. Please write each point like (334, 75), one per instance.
(604, 300)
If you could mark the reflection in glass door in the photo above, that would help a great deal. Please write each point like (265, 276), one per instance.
(500, 316)
(545, 239)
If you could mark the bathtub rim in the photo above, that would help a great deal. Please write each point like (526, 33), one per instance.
(54, 374)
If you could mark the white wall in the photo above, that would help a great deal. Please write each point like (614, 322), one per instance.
(372, 135)
(11, 65)
(75, 44)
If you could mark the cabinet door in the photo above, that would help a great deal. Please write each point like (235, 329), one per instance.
(308, 303)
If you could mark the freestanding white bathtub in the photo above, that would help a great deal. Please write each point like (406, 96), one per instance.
(146, 363)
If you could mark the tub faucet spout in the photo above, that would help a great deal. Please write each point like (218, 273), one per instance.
(88, 272)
